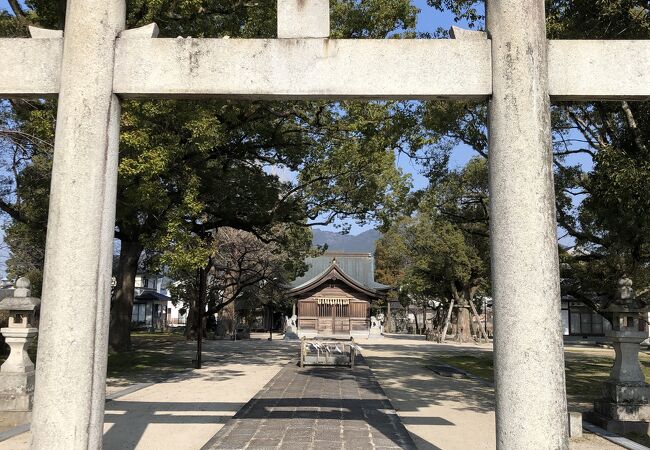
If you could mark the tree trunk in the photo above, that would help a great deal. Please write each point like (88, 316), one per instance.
(464, 324)
(195, 326)
(443, 335)
(481, 331)
(228, 315)
(120, 324)
(417, 325)
(463, 321)
(193, 320)
(202, 294)
(423, 322)
(389, 319)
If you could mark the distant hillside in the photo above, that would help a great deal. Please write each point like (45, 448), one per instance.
(361, 243)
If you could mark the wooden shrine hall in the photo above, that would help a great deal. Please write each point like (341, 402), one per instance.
(335, 293)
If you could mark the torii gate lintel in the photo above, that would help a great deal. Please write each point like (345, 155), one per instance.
(323, 68)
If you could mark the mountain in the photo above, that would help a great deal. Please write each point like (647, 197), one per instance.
(361, 243)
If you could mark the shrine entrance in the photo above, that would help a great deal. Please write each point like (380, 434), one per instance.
(334, 295)
(332, 316)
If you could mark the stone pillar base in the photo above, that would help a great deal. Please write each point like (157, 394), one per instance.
(16, 391)
(11, 419)
(620, 392)
(617, 426)
(631, 412)
(624, 408)
(290, 334)
(375, 333)
(575, 425)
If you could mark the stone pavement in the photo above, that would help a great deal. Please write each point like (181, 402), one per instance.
(316, 408)
(441, 412)
(186, 410)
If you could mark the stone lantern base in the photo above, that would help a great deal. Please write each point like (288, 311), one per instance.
(624, 408)
(16, 398)
(17, 391)
(17, 373)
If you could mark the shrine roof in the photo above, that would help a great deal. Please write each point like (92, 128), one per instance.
(358, 267)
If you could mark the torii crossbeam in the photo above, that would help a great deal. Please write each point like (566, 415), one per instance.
(96, 63)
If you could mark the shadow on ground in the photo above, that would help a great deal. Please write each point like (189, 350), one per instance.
(409, 393)
(317, 407)
(158, 361)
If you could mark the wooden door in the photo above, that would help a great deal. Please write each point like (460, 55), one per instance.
(325, 319)
(341, 318)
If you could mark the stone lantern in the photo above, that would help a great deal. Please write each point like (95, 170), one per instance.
(17, 372)
(625, 405)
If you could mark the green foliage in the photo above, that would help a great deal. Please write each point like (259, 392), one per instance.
(604, 210)
(27, 254)
(611, 225)
(471, 11)
(218, 18)
(601, 19)
(371, 18)
(10, 26)
(441, 251)
(185, 166)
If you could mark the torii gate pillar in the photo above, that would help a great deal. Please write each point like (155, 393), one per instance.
(528, 350)
(71, 368)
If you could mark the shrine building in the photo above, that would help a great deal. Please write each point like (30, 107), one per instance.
(334, 295)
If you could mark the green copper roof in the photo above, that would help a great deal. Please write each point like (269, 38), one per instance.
(359, 266)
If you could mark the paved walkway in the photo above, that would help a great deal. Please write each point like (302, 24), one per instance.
(316, 408)
(441, 412)
(185, 411)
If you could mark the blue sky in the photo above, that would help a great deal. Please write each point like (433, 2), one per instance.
(5, 5)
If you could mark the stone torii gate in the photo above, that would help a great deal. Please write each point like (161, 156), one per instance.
(97, 63)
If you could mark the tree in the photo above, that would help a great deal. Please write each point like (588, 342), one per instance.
(441, 250)
(239, 264)
(178, 155)
(441, 266)
(600, 154)
(187, 192)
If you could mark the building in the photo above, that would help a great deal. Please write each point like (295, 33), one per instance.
(152, 306)
(334, 295)
(580, 320)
